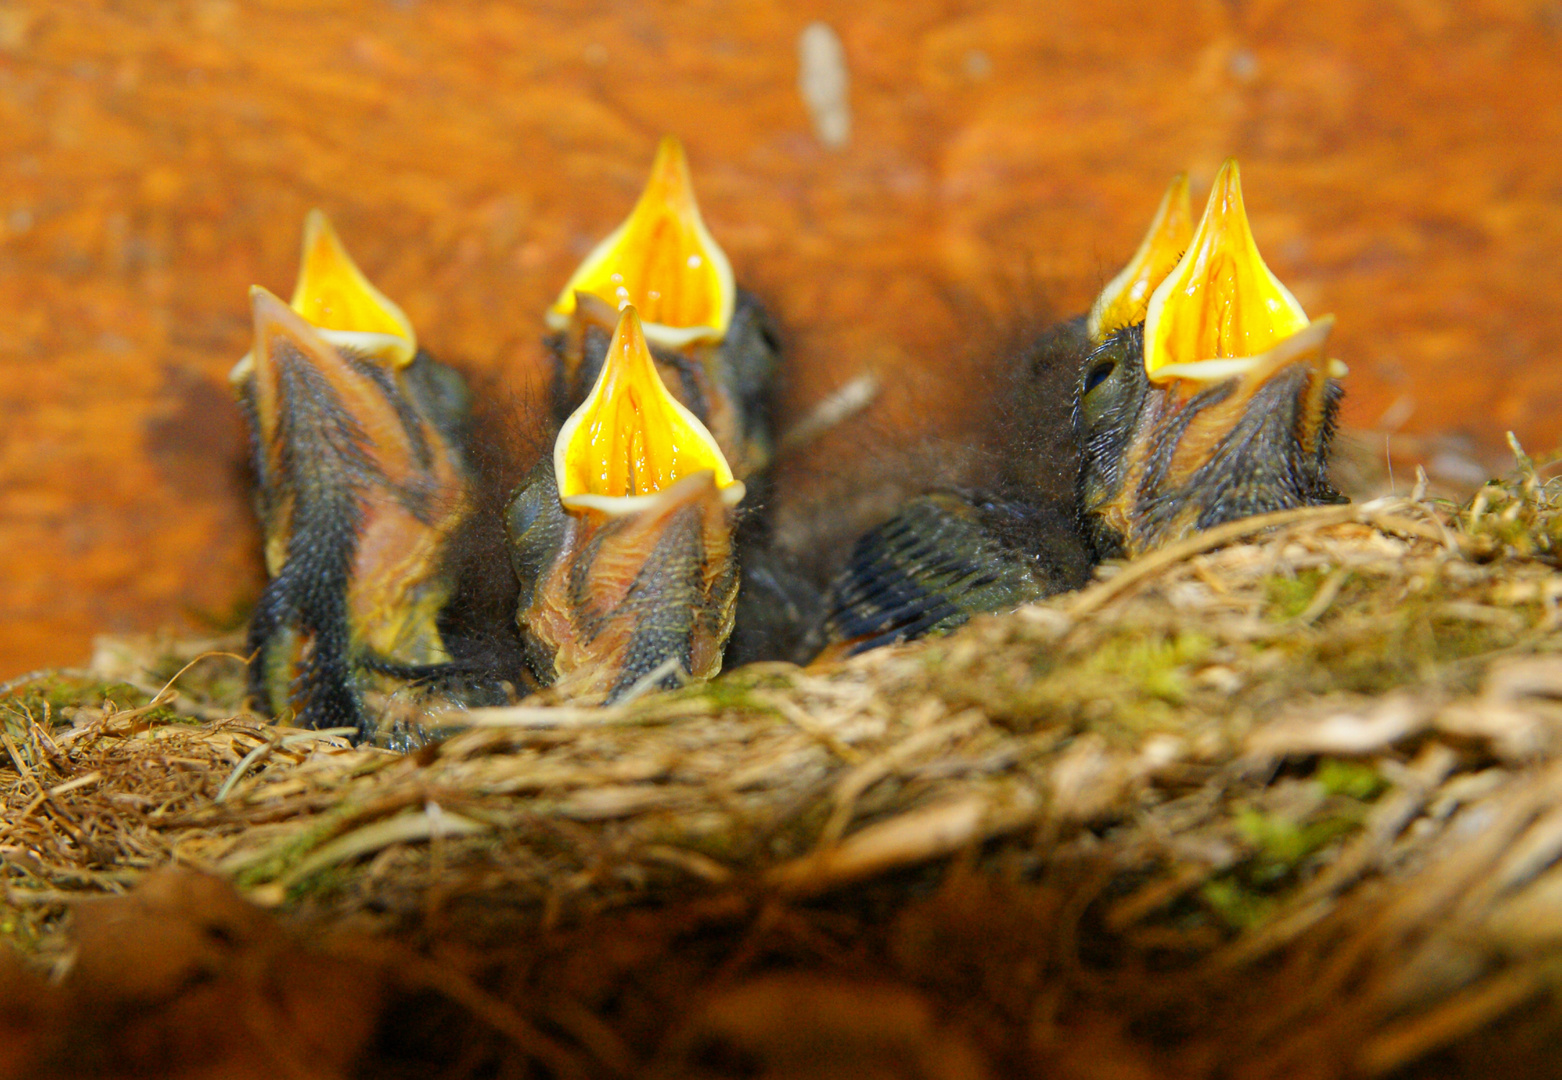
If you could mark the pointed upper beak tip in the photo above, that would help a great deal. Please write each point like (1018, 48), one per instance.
(264, 302)
(670, 146)
(670, 169)
(317, 226)
(272, 316)
(268, 316)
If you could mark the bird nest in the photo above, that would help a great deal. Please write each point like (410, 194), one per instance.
(1282, 800)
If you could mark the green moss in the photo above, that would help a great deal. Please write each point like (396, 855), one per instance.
(1138, 670)
(1390, 638)
(1352, 779)
(221, 681)
(1515, 516)
(1238, 906)
(1136, 680)
(278, 860)
(326, 881)
(1283, 842)
(726, 694)
(725, 843)
(26, 929)
(47, 694)
(1288, 595)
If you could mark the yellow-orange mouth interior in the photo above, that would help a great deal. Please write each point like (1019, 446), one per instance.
(1220, 305)
(661, 260)
(631, 438)
(333, 295)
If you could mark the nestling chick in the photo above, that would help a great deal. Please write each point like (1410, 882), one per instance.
(950, 555)
(357, 443)
(623, 542)
(717, 351)
(1222, 405)
(1204, 395)
(713, 343)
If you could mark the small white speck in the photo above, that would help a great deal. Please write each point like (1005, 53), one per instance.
(695, 262)
(978, 65)
(616, 278)
(622, 293)
(824, 84)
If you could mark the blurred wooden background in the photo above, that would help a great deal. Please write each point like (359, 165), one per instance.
(1402, 160)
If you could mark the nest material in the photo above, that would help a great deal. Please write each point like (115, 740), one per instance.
(1283, 800)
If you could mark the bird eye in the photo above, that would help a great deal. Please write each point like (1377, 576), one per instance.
(1099, 374)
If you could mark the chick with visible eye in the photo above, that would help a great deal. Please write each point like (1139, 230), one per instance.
(1221, 405)
(1203, 395)
(713, 343)
(946, 556)
(357, 442)
(623, 540)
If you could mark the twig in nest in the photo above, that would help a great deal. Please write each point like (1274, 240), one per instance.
(851, 786)
(1096, 596)
(672, 667)
(528, 716)
(271, 744)
(1376, 513)
(402, 829)
(913, 837)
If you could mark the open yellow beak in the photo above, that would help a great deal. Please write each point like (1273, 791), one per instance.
(631, 439)
(1220, 308)
(1127, 296)
(662, 260)
(285, 341)
(333, 295)
(340, 304)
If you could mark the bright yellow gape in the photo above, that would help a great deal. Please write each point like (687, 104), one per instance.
(1125, 298)
(333, 294)
(662, 260)
(631, 437)
(1220, 302)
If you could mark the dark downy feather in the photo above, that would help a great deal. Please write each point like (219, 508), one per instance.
(1010, 539)
(946, 557)
(326, 466)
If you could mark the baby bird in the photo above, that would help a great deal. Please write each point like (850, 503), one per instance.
(713, 343)
(717, 351)
(357, 442)
(949, 555)
(1204, 395)
(623, 541)
(1220, 406)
